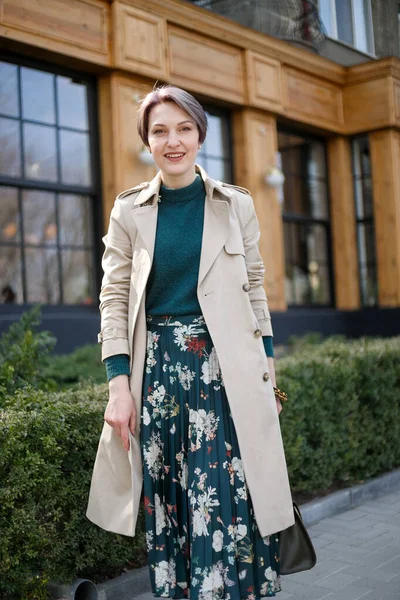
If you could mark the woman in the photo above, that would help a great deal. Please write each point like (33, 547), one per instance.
(187, 341)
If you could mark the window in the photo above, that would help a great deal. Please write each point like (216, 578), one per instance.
(215, 155)
(47, 187)
(349, 21)
(305, 220)
(365, 221)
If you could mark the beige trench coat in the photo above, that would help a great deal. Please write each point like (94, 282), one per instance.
(233, 301)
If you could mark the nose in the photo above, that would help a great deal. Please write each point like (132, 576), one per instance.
(173, 140)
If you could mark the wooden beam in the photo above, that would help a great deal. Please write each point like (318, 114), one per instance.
(385, 160)
(343, 222)
(255, 147)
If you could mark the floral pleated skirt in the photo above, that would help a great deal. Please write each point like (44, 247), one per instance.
(201, 534)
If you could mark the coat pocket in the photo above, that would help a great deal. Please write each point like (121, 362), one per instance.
(234, 245)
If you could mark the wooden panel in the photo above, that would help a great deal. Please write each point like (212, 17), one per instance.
(140, 41)
(367, 105)
(78, 27)
(264, 81)
(120, 143)
(396, 94)
(313, 100)
(385, 156)
(343, 221)
(255, 147)
(205, 65)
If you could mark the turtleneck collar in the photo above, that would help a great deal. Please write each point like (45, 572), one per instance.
(184, 194)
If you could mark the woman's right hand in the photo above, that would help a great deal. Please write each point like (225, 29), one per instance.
(121, 411)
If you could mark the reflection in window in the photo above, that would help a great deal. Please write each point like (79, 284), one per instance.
(46, 188)
(215, 154)
(305, 220)
(365, 221)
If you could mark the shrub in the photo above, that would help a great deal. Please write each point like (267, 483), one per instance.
(48, 443)
(341, 423)
(23, 352)
(81, 366)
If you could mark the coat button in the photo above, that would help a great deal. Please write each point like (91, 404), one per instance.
(266, 376)
(246, 287)
(258, 333)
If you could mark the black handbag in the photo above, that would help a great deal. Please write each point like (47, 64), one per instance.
(296, 551)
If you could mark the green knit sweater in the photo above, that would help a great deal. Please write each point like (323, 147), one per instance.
(172, 284)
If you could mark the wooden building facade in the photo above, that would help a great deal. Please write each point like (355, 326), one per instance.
(330, 236)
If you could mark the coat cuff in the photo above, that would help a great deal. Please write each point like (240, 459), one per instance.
(113, 341)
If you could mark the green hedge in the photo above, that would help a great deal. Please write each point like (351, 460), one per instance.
(341, 424)
(48, 443)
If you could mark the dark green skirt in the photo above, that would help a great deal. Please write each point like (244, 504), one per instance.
(201, 533)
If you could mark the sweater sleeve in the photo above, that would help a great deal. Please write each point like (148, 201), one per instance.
(118, 364)
(268, 345)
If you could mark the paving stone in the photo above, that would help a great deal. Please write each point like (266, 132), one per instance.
(337, 581)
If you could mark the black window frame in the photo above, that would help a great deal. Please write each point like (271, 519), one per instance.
(307, 220)
(93, 191)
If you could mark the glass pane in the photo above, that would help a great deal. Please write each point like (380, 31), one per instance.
(217, 141)
(326, 16)
(72, 103)
(10, 155)
(11, 275)
(296, 196)
(37, 95)
(369, 286)
(42, 275)
(344, 21)
(75, 216)
(40, 152)
(9, 90)
(292, 149)
(75, 158)
(361, 157)
(319, 284)
(366, 243)
(39, 218)
(317, 246)
(362, 25)
(217, 169)
(306, 257)
(9, 215)
(77, 269)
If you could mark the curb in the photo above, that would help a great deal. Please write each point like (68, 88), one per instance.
(130, 585)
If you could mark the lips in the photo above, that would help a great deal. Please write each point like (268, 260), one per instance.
(174, 156)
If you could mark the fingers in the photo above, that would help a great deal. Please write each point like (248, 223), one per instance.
(132, 423)
(125, 436)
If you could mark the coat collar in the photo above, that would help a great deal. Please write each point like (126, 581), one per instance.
(152, 189)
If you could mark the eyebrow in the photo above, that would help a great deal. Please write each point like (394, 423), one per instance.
(181, 123)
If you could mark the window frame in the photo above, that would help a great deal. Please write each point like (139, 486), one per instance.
(93, 191)
(369, 34)
(305, 220)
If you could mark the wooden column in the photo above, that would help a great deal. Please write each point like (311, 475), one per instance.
(385, 160)
(343, 221)
(120, 143)
(255, 147)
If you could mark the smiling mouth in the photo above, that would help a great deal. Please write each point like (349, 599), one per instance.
(175, 156)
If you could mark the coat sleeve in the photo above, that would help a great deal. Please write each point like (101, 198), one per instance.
(114, 294)
(255, 269)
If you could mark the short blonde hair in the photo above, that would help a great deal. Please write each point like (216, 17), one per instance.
(171, 93)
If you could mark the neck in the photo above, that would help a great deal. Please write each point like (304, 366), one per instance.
(178, 181)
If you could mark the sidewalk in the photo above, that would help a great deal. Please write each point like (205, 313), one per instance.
(358, 554)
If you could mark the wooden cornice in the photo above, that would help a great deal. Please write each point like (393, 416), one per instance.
(376, 69)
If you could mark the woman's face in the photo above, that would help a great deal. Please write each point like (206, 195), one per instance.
(173, 141)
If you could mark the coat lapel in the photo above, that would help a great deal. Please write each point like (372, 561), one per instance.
(216, 219)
